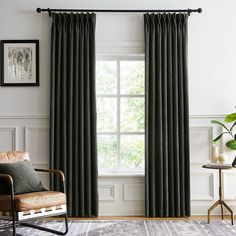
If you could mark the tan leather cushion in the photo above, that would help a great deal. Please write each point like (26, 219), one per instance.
(30, 201)
(13, 156)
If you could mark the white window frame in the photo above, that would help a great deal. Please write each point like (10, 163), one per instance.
(119, 170)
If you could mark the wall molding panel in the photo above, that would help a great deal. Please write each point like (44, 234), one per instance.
(37, 143)
(124, 202)
(9, 134)
(29, 130)
(205, 191)
(133, 192)
(229, 180)
(124, 194)
(106, 192)
(200, 144)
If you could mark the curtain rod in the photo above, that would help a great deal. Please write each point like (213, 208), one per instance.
(199, 10)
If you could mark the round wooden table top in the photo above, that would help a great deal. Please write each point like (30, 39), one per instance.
(217, 167)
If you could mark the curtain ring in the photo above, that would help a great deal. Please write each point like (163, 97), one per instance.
(189, 11)
(49, 12)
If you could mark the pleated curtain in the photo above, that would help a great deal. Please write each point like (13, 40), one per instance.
(167, 174)
(73, 110)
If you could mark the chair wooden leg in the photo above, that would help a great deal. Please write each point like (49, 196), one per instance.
(49, 230)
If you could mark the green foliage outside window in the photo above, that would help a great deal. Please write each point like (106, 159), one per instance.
(120, 91)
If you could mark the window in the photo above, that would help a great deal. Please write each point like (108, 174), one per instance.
(120, 114)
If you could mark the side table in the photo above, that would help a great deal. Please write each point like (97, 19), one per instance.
(220, 202)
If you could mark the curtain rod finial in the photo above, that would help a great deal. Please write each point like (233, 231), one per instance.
(38, 9)
(199, 10)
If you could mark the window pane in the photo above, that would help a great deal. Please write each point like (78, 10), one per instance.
(132, 151)
(106, 78)
(132, 114)
(106, 114)
(132, 77)
(107, 146)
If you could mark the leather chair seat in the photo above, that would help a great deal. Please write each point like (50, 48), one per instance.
(30, 201)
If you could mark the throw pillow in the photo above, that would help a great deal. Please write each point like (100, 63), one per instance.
(25, 179)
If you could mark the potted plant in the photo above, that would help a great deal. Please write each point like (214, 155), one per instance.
(229, 131)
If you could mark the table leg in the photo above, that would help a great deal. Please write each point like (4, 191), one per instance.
(212, 208)
(222, 212)
(231, 212)
(220, 201)
(220, 194)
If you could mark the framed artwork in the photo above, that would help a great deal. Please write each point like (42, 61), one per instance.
(20, 63)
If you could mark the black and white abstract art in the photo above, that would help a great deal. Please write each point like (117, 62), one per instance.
(19, 64)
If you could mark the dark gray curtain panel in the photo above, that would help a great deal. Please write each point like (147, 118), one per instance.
(167, 117)
(73, 110)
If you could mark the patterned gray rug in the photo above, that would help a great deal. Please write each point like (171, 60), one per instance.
(131, 228)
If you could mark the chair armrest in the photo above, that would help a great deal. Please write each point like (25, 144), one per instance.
(9, 181)
(56, 172)
(8, 177)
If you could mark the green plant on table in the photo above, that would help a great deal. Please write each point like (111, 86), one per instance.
(230, 131)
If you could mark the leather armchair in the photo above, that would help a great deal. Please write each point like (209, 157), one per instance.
(22, 207)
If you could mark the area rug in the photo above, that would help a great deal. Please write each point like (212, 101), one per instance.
(131, 228)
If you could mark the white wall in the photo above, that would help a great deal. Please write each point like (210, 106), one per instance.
(24, 111)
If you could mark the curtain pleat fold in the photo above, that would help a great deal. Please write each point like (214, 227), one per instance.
(166, 116)
(73, 147)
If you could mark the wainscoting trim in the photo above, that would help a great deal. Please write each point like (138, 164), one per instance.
(23, 117)
(32, 128)
(27, 130)
(211, 196)
(110, 198)
(210, 135)
(128, 191)
(207, 116)
(14, 132)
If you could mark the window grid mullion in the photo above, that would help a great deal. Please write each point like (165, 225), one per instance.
(118, 114)
(119, 97)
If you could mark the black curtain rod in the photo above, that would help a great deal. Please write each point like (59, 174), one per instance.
(199, 10)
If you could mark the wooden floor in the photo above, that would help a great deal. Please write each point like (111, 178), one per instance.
(145, 218)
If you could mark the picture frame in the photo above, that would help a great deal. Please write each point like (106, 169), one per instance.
(19, 63)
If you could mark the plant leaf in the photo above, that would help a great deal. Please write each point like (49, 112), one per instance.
(231, 144)
(218, 123)
(230, 118)
(232, 126)
(217, 138)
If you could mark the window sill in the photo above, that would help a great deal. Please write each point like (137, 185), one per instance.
(119, 174)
